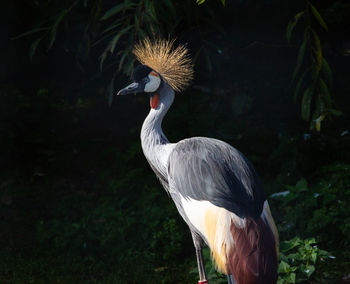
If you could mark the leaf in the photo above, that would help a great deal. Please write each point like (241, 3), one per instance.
(200, 2)
(317, 50)
(151, 11)
(318, 17)
(57, 23)
(314, 257)
(122, 59)
(116, 38)
(104, 37)
(288, 245)
(318, 122)
(283, 267)
(292, 277)
(310, 269)
(289, 30)
(327, 72)
(116, 9)
(33, 31)
(319, 108)
(129, 67)
(325, 93)
(302, 50)
(310, 241)
(314, 72)
(102, 59)
(300, 58)
(223, 2)
(301, 185)
(111, 27)
(306, 103)
(54, 28)
(33, 48)
(291, 25)
(336, 112)
(299, 84)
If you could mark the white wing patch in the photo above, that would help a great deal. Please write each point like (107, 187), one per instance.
(214, 224)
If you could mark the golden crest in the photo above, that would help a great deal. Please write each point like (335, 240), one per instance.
(172, 63)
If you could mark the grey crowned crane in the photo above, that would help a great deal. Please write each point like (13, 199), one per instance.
(215, 188)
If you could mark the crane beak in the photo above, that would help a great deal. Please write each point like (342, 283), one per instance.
(132, 88)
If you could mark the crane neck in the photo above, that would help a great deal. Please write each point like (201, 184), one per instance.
(151, 132)
(154, 143)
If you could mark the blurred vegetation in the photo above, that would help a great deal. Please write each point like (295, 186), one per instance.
(317, 74)
(78, 201)
(113, 27)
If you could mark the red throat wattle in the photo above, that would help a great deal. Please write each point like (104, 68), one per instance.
(154, 101)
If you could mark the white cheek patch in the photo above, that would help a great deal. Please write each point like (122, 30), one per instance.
(153, 84)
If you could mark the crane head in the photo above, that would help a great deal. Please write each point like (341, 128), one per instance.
(145, 80)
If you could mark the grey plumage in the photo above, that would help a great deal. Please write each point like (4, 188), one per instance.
(212, 170)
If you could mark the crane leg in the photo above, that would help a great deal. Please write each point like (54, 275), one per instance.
(230, 279)
(198, 244)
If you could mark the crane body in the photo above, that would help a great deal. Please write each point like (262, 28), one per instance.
(214, 187)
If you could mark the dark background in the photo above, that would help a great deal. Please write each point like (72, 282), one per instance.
(78, 201)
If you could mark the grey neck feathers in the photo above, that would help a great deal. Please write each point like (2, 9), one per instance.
(153, 139)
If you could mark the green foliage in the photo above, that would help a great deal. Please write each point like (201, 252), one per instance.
(112, 30)
(168, 237)
(312, 75)
(325, 203)
(131, 20)
(298, 259)
(112, 226)
(115, 29)
(298, 262)
(102, 232)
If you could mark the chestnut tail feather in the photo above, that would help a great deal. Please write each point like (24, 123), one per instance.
(253, 260)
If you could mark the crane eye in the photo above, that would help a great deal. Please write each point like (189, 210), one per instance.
(152, 83)
(145, 80)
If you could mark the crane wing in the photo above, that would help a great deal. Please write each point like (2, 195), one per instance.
(207, 169)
